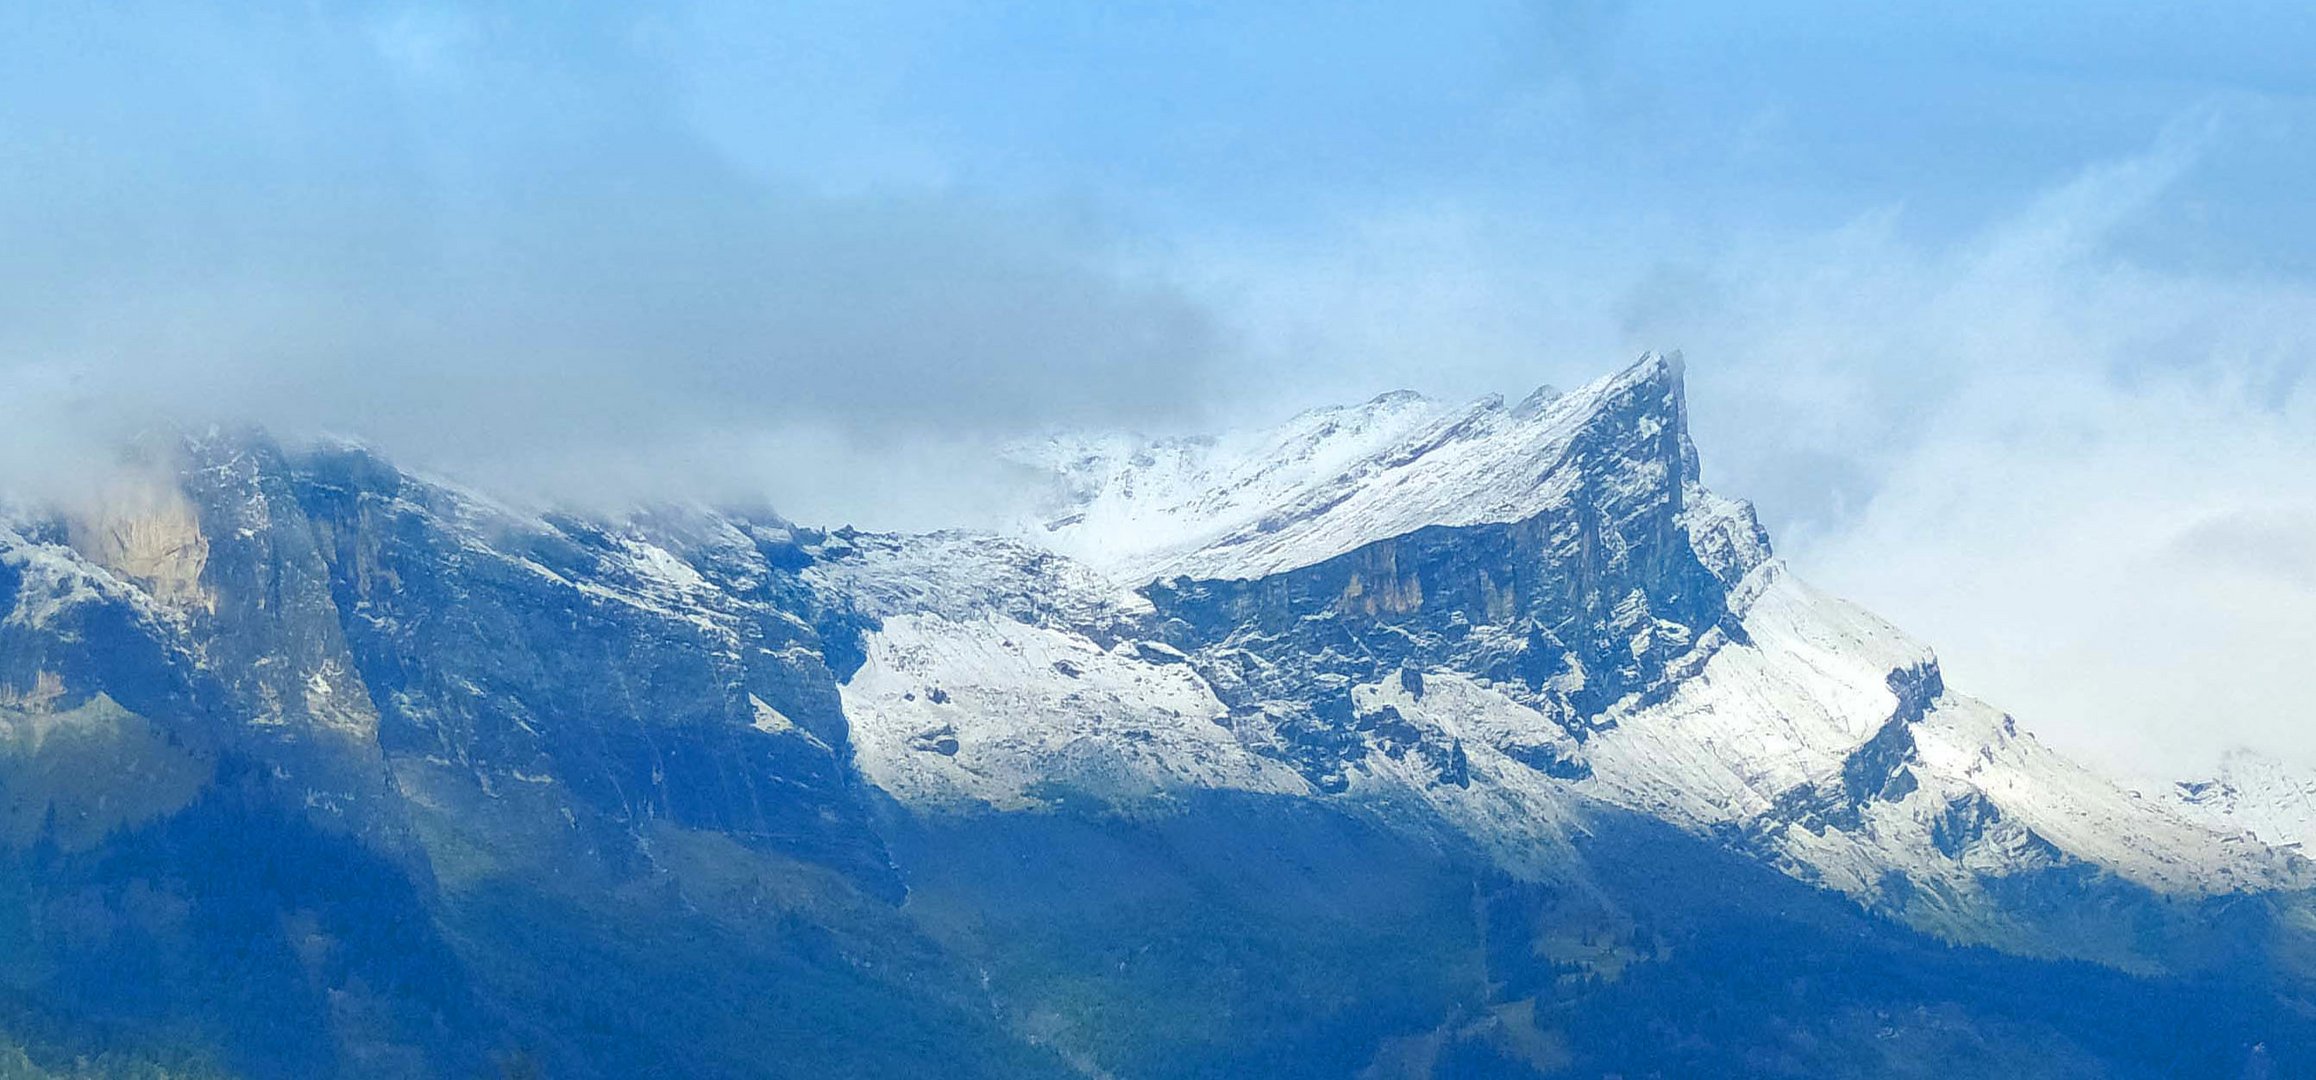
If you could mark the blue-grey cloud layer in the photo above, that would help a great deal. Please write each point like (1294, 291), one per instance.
(472, 235)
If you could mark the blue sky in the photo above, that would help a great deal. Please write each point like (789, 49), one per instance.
(2003, 316)
(1696, 119)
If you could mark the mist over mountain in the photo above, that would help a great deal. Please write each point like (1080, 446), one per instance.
(835, 256)
(1403, 739)
(906, 538)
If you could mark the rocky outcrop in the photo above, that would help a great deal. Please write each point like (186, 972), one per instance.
(1593, 596)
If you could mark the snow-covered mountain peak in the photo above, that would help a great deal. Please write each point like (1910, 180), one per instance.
(1594, 627)
(1249, 504)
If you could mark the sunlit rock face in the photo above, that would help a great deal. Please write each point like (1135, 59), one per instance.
(149, 533)
(1400, 739)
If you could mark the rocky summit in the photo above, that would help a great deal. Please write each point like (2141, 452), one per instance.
(1401, 740)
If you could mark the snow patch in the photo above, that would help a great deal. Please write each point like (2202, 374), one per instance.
(1332, 480)
(996, 712)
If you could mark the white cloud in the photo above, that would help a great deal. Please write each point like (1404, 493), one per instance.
(505, 252)
(2114, 561)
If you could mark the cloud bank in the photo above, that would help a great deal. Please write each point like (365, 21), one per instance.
(515, 260)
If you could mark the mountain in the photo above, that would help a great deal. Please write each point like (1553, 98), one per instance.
(1403, 739)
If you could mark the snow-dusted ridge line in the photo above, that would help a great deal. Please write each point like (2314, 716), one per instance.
(1788, 709)
(1328, 481)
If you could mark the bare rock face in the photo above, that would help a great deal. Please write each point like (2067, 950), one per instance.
(148, 532)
